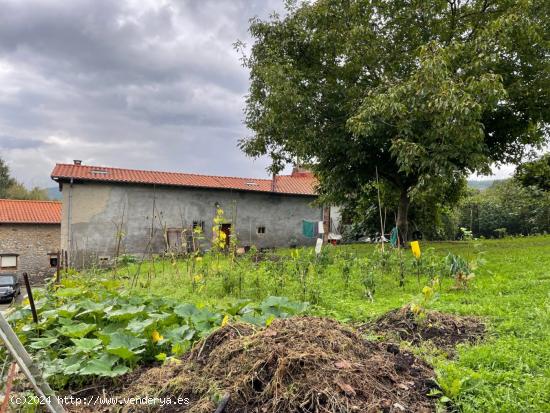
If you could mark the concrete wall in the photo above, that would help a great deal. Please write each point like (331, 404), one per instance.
(95, 211)
(33, 243)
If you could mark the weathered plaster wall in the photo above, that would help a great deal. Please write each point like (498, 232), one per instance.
(97, 209)
(33, 243)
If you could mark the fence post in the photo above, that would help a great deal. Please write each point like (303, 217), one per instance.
(31, 299)
(58, 268)
(66, 262)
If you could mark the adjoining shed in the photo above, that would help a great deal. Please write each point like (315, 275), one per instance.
(30, 233)
(108, 212)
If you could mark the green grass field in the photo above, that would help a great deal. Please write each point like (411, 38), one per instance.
(508, 372)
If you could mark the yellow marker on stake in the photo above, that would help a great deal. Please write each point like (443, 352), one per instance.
(415, 247)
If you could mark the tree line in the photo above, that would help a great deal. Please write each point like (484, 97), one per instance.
(516, 206)
(10, 188)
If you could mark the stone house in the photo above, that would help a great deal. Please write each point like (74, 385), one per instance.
(111, 211)
(30, 234)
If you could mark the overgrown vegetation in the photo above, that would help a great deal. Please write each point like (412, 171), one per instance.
(90, 327)
(353, 283)
(505, 208)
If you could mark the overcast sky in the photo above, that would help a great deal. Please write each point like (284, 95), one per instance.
(144, 84)
(140, 84)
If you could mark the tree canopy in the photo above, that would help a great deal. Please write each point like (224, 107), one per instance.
(420, 93)
(506, 208)
(535, 173)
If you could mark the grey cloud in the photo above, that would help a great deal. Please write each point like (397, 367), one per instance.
(11, 142)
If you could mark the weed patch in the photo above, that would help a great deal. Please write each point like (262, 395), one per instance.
(445, 331)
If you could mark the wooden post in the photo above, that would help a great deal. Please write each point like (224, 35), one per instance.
(66, 261)
(29, 294)
(326, 224)
(29, 368)
(58, 267)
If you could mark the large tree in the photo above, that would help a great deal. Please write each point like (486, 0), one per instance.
(415, 91)
(6, 181)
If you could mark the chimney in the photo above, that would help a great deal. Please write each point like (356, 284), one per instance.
(300, 171)
(77, 162)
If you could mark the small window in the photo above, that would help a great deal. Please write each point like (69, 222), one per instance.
(8, 262)
(198, 225)
(261, 230)
(53, 260)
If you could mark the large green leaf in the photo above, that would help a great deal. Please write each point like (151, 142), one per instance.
(104, 367)
(68, 310)
(126, 312)
(91, 307)
(78, 330)
(72, 364)
(86, 345)
(41, 343)
(186, 310)
(125, 345)
(180, 333)
(282, 306)
(235, 307)
(138, 326)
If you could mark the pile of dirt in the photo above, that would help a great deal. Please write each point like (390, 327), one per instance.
(301, 364)
(445, 331)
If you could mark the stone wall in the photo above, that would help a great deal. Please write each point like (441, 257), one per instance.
(33, 243)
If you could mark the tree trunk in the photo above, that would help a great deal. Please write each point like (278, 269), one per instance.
(403, 214)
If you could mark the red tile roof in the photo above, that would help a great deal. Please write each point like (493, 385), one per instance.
(29, 212)
(297, 184)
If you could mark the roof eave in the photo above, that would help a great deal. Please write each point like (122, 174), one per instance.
(67, 179)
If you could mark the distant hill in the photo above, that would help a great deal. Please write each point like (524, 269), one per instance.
(53, 193)
(483, 184)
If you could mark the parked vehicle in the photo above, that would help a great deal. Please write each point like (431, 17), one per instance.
(9, 287)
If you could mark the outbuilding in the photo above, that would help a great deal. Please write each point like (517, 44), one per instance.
(30, 233)
(108, 211)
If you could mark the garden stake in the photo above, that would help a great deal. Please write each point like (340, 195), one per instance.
(58, 268)
(31, 300)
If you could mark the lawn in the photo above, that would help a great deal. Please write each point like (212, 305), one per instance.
(508, 372)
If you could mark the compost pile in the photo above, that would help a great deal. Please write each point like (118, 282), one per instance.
(445, 331)
(301, 364)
